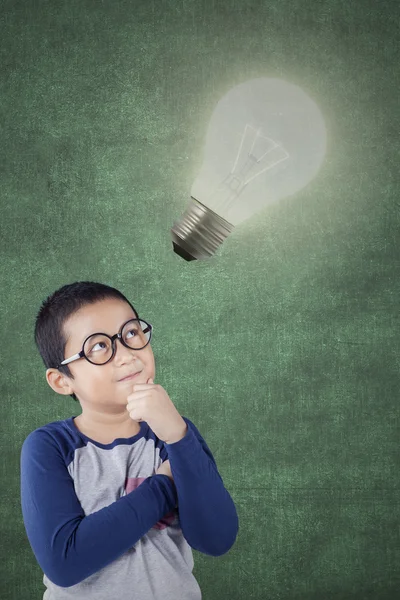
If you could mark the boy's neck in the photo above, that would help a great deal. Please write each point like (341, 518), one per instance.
(106, 428)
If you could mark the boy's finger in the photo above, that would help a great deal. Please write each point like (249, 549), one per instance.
(138, 387)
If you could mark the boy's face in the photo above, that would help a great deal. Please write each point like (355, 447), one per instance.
(99, 385)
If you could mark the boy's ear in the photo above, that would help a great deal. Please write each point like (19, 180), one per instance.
(58, 382)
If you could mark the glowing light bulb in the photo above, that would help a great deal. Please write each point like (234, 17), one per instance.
(266, 140)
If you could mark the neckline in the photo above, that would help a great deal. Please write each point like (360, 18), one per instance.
(116, 442)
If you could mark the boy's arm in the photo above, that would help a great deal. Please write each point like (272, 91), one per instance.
(207, 513)
(68, 545)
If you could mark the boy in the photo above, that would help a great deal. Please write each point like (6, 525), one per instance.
(114, 499)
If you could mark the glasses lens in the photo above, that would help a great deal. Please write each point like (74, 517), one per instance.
(98, 349)
(136, 334)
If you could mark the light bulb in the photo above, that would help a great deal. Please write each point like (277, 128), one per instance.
(266, 140)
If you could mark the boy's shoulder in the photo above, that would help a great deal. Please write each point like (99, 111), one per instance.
(56, 434)
(53, 427)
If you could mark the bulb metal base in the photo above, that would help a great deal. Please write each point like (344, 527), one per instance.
(199, 232)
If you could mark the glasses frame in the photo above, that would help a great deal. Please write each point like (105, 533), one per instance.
(113, 339)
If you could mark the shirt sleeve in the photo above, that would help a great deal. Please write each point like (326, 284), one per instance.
(68, 545)
(207, 513)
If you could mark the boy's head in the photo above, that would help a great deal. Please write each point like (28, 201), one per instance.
(66, 319)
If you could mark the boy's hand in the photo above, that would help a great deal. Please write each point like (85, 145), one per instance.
(150, 402)
(165, 469)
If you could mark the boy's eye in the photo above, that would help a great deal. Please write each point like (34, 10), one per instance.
(98, 344)
(131, 331)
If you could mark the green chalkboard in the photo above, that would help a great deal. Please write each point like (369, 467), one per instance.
(283, 348)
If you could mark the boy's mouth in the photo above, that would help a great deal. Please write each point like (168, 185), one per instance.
(131, 376)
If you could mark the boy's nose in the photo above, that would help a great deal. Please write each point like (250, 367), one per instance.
(122, 352)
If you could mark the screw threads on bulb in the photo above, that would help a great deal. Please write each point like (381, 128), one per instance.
(199, 232)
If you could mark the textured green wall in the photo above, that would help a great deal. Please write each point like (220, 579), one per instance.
(283, 348)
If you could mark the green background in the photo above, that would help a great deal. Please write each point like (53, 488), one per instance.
(284, 347)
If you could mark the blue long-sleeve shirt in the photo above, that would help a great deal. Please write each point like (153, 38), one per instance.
(102, 525)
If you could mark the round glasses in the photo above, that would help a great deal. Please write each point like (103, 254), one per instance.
(99, 348)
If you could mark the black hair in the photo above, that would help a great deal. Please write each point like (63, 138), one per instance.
(57, 308)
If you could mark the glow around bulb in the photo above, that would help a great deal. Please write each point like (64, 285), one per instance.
(266, 140)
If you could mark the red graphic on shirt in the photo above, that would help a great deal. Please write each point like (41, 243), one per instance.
(131, 484)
